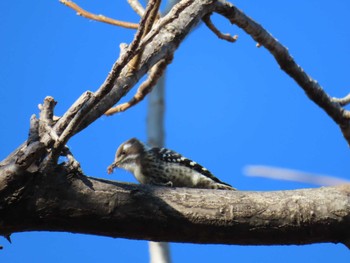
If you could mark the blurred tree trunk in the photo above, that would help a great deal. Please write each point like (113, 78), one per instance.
(159, 251)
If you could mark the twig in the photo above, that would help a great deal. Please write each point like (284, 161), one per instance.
(137, 7)
(206, 19)
(152, 17)
(154, 6)
(311, 87)
(342, 101)
(128, 55)
(99, 18)
(145, 88)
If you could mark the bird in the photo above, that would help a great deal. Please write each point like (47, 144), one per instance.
(163, 167)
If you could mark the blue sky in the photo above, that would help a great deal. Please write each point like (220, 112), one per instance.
(228, 106)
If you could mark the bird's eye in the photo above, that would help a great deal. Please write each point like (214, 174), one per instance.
(123, 152)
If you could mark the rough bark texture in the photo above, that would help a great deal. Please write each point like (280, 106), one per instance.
(75, 203)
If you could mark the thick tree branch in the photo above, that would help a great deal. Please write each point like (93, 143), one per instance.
(96, 206)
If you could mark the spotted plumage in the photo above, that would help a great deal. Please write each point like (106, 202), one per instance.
(160, 166)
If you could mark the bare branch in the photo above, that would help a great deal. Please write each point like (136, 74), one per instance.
(96, 206)
(150, 18)
(69, 128)
(106, 87)
(311, 87)
(216, 31)
(99, 18)
(183, 17)
(145, 88)
(161, 42)
(128, 55)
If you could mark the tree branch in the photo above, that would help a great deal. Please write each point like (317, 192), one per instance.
(311, 87)
(95, 206)
(159, 43)
(145, 88)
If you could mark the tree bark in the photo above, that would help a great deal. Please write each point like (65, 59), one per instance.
(68, 202)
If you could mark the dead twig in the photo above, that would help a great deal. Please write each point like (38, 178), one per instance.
(81, 12)
(154, 6)
(206, 19)
(145, 88)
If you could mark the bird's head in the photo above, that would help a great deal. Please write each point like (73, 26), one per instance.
(128, 155)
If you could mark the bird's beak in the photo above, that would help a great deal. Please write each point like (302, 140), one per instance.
(112, 166)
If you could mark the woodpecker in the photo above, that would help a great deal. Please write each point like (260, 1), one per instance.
(163, 167)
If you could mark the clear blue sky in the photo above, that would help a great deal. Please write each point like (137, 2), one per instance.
(228, 105)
